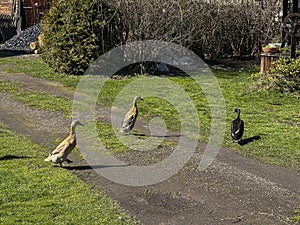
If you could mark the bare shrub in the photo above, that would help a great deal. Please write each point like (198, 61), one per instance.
(78, 31)
(218, 29)
(160, 20)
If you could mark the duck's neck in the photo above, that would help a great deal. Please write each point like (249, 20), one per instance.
(72, 131)
(238, 115)
(134, 102)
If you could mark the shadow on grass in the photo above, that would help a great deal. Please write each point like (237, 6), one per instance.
(157, 136)
(87, 167)
(10, 53)
(11, 157)
(249, 140)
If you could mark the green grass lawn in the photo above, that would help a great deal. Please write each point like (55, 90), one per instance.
(44, 101)
(272, 117)
(35, 192)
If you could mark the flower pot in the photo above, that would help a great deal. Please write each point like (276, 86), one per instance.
(269, 50)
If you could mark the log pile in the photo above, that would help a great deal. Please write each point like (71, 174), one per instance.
(35, 46)
(21, 41)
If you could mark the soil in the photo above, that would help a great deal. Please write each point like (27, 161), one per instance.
(233, 190)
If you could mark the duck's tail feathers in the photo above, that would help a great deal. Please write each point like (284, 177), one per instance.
(48, 159)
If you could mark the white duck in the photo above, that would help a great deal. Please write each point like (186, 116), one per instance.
(61, 152)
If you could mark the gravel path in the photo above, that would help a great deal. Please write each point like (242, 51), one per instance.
(233, 190)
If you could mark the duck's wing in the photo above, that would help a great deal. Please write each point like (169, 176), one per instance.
(241, 127)
(61, 147)
(129, 118)
(53, 156)
(237, 127)
(59, 150)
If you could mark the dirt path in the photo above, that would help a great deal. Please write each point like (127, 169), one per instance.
(233, 190)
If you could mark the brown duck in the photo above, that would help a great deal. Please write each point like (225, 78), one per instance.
(61, 152)
(131, 116)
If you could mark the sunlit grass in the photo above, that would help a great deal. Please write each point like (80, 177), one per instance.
(37, 68)
(9, 87)
(36, 192)
(273, 118)
(108, 138)
(44, 101)
(296, 217)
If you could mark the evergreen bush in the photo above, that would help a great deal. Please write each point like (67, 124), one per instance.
(76, 32)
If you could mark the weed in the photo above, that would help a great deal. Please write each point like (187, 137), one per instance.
(296, 217)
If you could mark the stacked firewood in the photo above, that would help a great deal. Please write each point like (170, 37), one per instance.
(35, 46)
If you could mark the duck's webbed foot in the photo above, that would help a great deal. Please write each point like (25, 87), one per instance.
(69, 161)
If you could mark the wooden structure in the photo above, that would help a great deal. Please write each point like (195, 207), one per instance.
(9, 19)
(290, 33)
(291, 24)
(266, 61)
(5, 7)
(34, 10)
(17, 15)
(25, 12)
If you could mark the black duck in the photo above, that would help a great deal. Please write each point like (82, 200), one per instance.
(237, 127)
